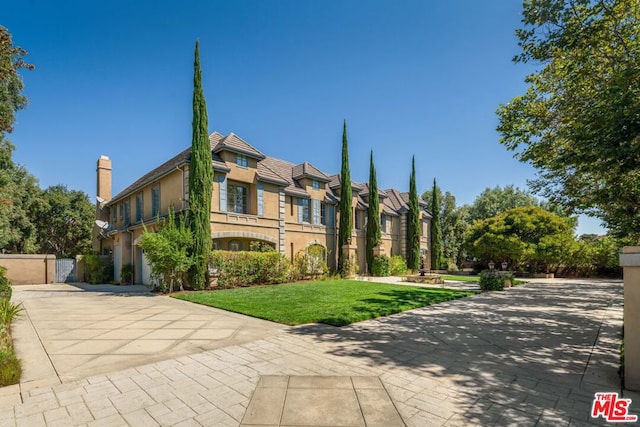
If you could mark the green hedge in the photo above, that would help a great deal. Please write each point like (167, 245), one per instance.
(97, 269)
(380, 267)
(10, 369)
(494, 280)
(5, 284)
(249, 268)
(397, 266)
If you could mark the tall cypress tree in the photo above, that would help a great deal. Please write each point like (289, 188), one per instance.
(413, 222)
(346, 216)
(436, 229)
(373, 214)
(200, 181)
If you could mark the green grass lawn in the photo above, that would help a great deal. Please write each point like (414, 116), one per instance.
(461, 278)
(334, 302)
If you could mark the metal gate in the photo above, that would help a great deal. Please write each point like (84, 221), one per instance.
(65, 270)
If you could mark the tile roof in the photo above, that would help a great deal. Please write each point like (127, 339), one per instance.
(365, 191)
(306, 169)
(279, 172)
(156, 173)
(183, 158)
(234, 143)
(335, 183)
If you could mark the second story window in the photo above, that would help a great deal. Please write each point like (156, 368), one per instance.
(237, 198)
(383, 223)
(241, 160)
(139, 207)
(127, 212)
(303, 210)
(315, 185)
(155, 200)
(359, 222)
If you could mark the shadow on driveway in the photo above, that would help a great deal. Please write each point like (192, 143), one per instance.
(533, 354)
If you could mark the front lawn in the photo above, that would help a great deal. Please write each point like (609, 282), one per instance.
(461, 278)
(334, 302)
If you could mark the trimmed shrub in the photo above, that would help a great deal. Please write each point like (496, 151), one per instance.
(5, 284)
(397, 266)
(380, 267)
(97, 269)
(10, 369)
(243, 268)
(126, 274)
(494, 280)
(309, 263)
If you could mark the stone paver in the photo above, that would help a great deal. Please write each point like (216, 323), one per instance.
(533, 355)
(71, 332)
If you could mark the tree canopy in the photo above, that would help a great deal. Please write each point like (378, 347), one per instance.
(493, 201)
(18, 193)
(374, 233)
(11, 98)
(200, 181)
(345, 227)
(453, 221)
(436, 230)
(63, 220)
(579, 121)
(529, 238)
(413, 222)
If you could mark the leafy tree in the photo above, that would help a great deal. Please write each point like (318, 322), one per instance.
(526, 237)
(493, 201)
(200, 181)
(454, 224)
(19, 193)
(578, 122)
(373, 215)
(345, 226)
(63, 220)
(436, 230)
(11, 98)
(18, 188)
(168, 250)
(413, 222)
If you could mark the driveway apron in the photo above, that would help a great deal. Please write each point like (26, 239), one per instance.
(533, 355)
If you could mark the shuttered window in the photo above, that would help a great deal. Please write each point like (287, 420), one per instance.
(260, 199)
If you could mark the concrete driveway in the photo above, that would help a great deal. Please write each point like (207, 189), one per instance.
(531, 356)
(69, 332)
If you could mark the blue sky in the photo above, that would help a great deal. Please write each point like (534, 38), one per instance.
(419, 78)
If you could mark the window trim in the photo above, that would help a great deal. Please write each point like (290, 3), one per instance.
(303, 206)
(231, 198)
(242, 161)
(139, 207)
(155, 201)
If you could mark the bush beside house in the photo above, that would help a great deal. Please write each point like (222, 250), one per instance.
(234, 269)
(10, 369)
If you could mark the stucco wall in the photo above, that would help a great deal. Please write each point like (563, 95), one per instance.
(29, 269)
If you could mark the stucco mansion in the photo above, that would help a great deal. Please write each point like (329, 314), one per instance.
(256, 198)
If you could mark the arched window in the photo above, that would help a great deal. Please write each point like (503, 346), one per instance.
(235, 245)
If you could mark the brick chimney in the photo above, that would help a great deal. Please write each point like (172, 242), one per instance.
(104, 178)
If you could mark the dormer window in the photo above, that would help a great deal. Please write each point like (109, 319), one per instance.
(315, 185)
(241, 160)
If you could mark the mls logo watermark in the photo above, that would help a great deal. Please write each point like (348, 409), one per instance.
(612, 408)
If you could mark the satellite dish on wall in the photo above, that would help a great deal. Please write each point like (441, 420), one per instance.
(102, 224)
